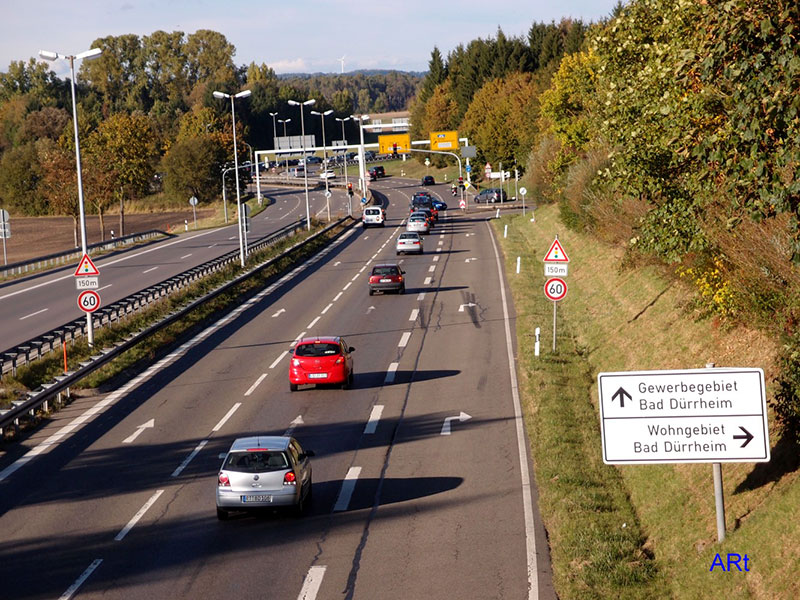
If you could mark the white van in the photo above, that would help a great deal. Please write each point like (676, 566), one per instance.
(373, 215)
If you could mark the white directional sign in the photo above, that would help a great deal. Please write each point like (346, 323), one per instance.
(692, 416)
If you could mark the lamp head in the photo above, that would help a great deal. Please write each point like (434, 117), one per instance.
(221, 95)
(90, 54)
(47, 55)
(328, 112)
(243, 94)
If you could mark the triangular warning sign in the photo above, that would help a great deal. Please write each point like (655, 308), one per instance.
(86, 268)
(556, 253)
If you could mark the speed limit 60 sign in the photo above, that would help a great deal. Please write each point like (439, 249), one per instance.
(555, 289)
(88, 301)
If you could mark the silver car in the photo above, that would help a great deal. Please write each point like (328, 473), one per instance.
(409, 241)
(418, 224)
(264, 472)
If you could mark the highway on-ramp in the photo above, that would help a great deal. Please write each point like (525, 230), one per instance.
(422, 484)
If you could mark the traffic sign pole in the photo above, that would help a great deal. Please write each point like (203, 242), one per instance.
(719, 494)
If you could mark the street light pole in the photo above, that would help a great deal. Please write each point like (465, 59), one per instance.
(242, 94)
(362, 171)
(284, 121)
(344, 140)
(305, 165)
(89, 54)
(322, 115)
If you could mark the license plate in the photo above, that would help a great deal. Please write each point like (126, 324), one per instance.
(257, 498)
(386, 281)
(317, 375)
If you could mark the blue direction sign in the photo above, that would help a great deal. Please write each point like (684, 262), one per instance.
(468, 168)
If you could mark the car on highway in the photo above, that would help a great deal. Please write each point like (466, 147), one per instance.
(328, 174)
(373, 215)
(491, 195)
(425, 212)
(378, 171)
(321, 360)
(428, 180)
(261, 472)
(409, 241)
(423, 203)
(387, 278)
(418, 223)
(438, 204)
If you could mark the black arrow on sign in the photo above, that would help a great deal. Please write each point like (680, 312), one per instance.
(746, 437)
(621, 393)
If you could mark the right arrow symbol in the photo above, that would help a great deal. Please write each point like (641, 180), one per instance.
(622, 394)
(746, 437)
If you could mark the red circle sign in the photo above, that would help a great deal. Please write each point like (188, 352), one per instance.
(555, 289)
(88, 301)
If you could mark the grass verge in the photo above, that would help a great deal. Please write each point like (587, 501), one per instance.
(622, 319)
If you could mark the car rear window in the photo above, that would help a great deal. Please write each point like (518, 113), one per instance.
(409, 236)
(385, 271)
(320, 349)
(373, 211)
(256, 461)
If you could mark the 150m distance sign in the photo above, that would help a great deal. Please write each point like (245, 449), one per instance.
(693, 416)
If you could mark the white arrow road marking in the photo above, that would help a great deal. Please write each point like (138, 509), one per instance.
(149, 425)
(446, 425)
(255, 385)
(278, 314)
(461, 306)
(293, 425)
(38, 312)
(79, 581)
(370, 309)
(467, 260)
(138, 516)
(312, 583)
(374, 417)
(348, 485)
(337, 263)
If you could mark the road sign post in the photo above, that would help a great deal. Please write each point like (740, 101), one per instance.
(193, 202)
(5, 231)
(555, 289)
(87, 269)
(555, 263)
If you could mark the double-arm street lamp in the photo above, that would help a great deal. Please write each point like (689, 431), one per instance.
(322, 115)
(305, 170)
(362, 171)
(89, 54)
(242, 94)
(344, 146)
(284, 121)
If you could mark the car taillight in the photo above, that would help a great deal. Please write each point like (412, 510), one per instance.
(400, 278)
(295, 362)
(224, 481)
(415, 243)
(339, 360)
(290, 478)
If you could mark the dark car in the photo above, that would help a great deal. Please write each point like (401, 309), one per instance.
(387, 278)
(421, 202)
(438, 204)
(369, 155)
(491, 195)
(428, 180)
(378, 171)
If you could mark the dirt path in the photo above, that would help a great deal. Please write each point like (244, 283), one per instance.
(38, 236)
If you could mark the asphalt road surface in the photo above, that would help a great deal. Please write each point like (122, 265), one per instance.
(34, 305)
(422, 484)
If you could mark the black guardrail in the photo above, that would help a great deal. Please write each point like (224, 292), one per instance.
(61, 258)
(47, 392)
(37, 347)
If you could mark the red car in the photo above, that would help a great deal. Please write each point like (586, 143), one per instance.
(321, 360)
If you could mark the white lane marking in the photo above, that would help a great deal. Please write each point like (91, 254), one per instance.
(431, 269)
(293, 425)
(227, 416)
(189, 458)
(106, 264)
(348, 485)
(441, 242)
(104, 287)
(374, 418)
(366, 237)
(362, 269)
(38, 312)
(312, 583)
(404, 339)
(349, 283)
(414, 314)
(374, 256)
(421, 296)
(391, 372)
(233, 237)
(314, 322)
(356, 276)
(278, 314)
(255, 385)
(138, 516)
(327, 308)
(279, 359)
(132, 437)
(182, 350)
(435, 259)
(149, 270)
(186, 256)
(337, 296)
(298, 338)
(428, 280)
(79, 581)
(438, 249)
(212, 245)
(530, 539)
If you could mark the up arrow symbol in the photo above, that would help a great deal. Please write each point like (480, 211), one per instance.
(621, 393)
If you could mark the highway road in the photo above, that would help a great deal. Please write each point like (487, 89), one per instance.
(36, 304)
(97, 506)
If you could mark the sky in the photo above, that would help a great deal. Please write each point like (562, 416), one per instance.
(306, 36)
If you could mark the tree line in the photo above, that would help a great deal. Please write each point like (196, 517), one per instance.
(145, 107)
(670, 128)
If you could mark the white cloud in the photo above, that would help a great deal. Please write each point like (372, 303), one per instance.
(293, 65)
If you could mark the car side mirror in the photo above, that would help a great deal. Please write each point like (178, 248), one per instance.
(402, 272)
(308, 454)
(351, 349)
